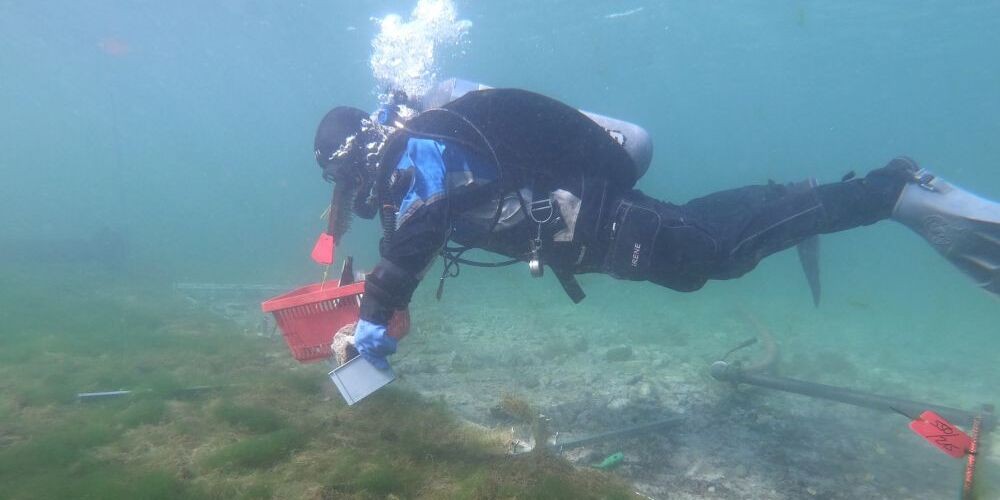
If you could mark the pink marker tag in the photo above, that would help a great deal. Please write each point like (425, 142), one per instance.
(324, 250)
(941, 433)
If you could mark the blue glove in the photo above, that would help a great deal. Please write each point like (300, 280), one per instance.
(374, 343)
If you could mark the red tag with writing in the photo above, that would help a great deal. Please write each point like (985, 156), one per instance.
(324, 249)
(941, 433)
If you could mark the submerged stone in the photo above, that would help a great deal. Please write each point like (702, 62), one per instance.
(620, 353)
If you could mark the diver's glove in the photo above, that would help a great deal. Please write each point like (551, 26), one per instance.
(374, 343)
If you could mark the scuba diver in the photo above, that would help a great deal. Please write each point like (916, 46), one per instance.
(530, 178)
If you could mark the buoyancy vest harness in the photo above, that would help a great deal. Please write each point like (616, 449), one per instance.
(535, 142)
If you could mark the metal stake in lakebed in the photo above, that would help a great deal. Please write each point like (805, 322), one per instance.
(931, 421)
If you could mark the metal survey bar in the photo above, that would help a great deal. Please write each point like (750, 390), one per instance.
(559, 445)
(176, 393)
(230, 287)
(620, 433)
(724, 371)
(95, 396)
(968, 485)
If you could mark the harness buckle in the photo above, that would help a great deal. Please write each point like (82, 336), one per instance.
(926, 180)
(541, 206)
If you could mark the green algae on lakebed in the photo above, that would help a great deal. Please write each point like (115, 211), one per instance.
(271, 430)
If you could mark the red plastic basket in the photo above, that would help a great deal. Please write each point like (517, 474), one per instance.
(309, 316)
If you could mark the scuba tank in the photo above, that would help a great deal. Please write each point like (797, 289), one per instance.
(633, 138)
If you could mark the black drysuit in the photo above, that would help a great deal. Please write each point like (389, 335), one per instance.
(510, 171)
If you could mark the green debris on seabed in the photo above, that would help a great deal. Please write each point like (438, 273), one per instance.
(612, 461)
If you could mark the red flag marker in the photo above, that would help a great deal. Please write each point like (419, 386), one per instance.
(324, 250)
(941, 433)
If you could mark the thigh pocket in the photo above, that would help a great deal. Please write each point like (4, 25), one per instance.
(633, 238)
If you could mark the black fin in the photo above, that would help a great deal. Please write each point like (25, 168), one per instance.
(809, 258)
(347, 273)
(848, 176)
